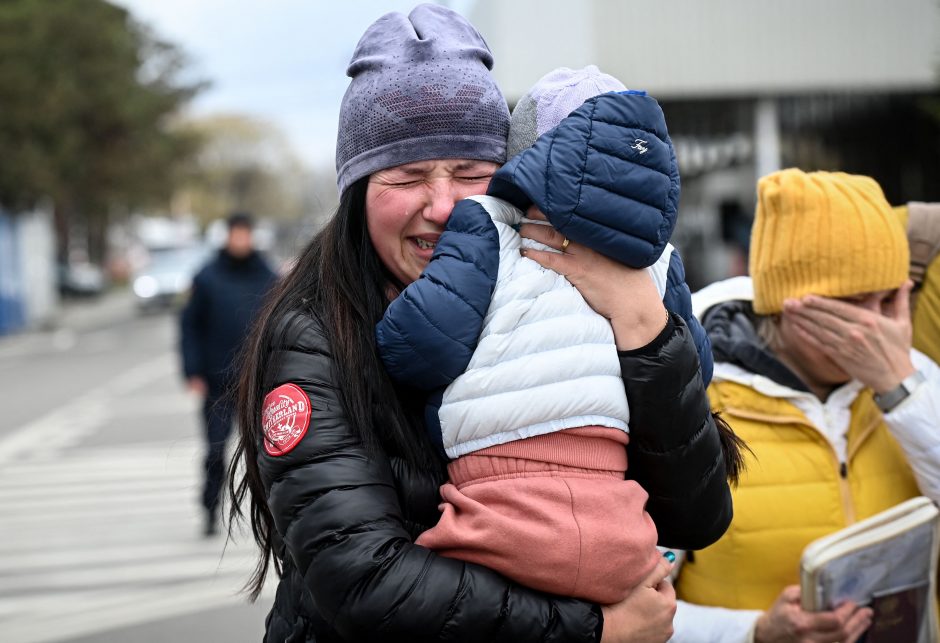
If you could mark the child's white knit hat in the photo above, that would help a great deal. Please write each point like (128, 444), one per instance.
(551, 99)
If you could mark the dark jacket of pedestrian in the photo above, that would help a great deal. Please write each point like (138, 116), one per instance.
(226, 295)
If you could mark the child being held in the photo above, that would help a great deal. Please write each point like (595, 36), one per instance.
(529, 402)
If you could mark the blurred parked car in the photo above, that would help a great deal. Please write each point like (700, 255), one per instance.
(80, 279)
(167, 276)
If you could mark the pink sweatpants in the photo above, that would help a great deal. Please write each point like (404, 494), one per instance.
(552, 512)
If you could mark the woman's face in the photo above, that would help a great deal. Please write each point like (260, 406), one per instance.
(408, 205)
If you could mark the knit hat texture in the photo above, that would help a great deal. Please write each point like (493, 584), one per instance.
(421, 89)
(824, 233)
(551, 99)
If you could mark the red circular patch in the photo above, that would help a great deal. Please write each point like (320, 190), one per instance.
(285, 416)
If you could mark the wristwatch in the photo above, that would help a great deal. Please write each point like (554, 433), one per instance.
(888, 400)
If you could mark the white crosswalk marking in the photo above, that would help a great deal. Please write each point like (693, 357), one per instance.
(95, 537)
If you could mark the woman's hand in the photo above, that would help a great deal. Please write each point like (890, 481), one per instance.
(197, 385)
(873, 347)
(645, 616)
(626, 296)
(786, 622)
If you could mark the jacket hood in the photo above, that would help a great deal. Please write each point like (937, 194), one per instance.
(732, 329)
(606, 176)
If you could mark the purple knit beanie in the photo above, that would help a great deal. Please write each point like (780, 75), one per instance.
(421, 89)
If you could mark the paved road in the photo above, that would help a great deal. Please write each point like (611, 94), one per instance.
(99, 471)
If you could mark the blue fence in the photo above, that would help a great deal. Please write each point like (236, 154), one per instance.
(12, 304)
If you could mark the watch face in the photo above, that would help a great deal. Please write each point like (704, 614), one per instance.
(888, 400)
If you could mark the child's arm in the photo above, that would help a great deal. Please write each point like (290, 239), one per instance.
(678, 299)
(429, 332)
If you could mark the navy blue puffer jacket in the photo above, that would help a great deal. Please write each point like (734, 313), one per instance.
(606, 177)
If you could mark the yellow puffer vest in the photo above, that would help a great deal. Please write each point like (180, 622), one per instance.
(794, 491)
(926, 317)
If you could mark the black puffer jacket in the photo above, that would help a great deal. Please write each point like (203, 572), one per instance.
(347, 522)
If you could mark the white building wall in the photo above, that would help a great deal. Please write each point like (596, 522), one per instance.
(530, 38)
(700, 48)
(36, 238)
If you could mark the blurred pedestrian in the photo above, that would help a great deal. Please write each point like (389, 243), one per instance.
(814, 369)
(225, 297)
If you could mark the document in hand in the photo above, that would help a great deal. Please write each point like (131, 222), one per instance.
(889, 562)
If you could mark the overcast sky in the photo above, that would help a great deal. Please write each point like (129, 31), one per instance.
(280, 60)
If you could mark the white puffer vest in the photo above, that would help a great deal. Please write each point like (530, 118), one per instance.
(545, 360)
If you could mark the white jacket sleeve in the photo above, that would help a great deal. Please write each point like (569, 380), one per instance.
(915, 424)
(700, 624)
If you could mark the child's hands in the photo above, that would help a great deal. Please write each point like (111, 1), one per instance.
(626, 296)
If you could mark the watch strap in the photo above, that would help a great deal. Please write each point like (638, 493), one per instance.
(888, 400)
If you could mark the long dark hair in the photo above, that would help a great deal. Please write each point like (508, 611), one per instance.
(340, 281)
(732, 448)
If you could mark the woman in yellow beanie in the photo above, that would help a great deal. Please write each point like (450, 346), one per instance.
(814, 369)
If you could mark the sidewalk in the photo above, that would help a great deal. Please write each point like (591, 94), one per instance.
(74, 316)
(115, 305)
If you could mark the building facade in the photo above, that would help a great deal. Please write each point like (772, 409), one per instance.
(749, 87)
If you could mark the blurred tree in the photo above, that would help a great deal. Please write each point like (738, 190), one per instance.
(86, 101)
(244, 164)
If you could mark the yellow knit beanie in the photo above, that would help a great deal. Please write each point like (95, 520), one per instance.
(823, 233)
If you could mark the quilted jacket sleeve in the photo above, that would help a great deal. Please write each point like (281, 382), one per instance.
(606, 177)
(192, 323)
(429, 333)
(337, 510)
(674, 451)
(678, 299)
